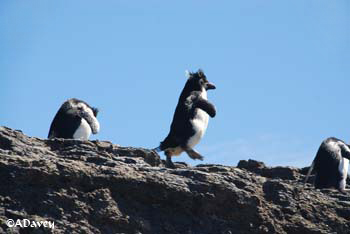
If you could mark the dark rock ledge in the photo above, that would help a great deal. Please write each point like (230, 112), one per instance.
(99, 187)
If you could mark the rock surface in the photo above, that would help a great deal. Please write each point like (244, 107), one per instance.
(98, 187)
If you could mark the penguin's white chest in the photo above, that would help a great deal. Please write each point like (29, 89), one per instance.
(199, 124)
(343, 169)
(83, 132)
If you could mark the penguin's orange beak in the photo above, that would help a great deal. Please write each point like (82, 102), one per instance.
(210, 86)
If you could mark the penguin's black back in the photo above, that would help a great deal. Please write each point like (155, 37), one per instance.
(64, 124)
(181, 128)
(326, 166)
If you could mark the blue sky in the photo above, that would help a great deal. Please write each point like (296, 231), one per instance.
(281, 69)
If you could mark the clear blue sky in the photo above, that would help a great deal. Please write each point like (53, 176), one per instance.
(282, 71)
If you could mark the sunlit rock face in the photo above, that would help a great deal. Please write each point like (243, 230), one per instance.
(100, 187)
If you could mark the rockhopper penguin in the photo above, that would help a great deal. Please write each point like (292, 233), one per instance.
(190, 119)
(331, 164)
(74, 120)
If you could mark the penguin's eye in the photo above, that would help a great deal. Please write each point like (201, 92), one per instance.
(80, 109)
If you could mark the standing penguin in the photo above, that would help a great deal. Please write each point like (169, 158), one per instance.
(190, 119)
(331, 164)
(74, 120)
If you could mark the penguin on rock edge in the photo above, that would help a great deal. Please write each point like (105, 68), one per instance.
(74, 120)
(331, 165)
(190, 119)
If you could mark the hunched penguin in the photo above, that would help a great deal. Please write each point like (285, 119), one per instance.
(190, 119)
(331, 165)
(74, 120)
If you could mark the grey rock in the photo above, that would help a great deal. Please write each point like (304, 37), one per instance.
(100, 187)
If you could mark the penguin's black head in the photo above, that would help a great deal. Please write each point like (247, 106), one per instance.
(78, 107)
(198, 81)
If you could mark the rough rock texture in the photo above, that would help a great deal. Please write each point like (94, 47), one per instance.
(98, 187)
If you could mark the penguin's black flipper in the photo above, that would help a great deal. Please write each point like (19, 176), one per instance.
(205, 106)
(196, 101)
(194, 154)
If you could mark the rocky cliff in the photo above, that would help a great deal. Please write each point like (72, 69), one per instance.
(99, 187)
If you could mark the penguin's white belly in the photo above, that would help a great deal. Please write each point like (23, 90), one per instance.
(343, 169)
(199, 125)
(83, 132)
